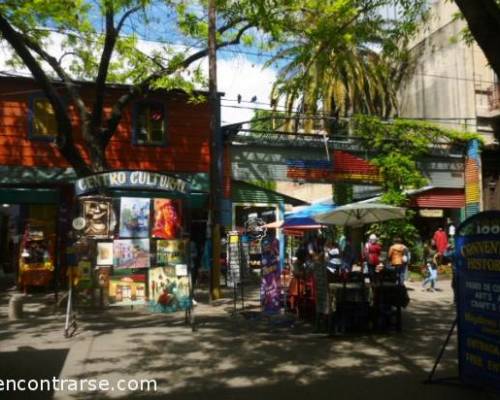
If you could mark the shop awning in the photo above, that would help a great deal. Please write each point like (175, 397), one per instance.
(438, 198)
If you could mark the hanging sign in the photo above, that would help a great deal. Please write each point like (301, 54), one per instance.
(478, 299)
(131, 180)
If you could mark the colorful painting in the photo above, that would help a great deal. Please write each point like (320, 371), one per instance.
(97, 213)
(167, 219)
(170, 252)
(168, 292)
(270, 292)
(131, 253)
(127, 290)
(104, 253)
(103, 276)
(134, 217)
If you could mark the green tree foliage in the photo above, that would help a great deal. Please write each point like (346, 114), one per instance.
(33, 28)
(345, 56)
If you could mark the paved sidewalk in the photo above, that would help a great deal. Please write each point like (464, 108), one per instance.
(231, 357)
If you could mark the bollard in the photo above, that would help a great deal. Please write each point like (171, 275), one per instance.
(16, 307)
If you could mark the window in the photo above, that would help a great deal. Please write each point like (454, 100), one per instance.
(43, 120)
(149, 123)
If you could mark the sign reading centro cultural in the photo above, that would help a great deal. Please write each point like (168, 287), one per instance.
(131, 180)
(478, 300)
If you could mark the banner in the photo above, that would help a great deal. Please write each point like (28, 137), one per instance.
(478, 299)
(270, 291)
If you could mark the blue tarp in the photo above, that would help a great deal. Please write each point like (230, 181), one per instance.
(303, 216)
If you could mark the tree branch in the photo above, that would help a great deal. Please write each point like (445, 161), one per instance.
(142, 87)
(64, 141)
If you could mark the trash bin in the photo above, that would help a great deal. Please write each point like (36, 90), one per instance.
(16, 303)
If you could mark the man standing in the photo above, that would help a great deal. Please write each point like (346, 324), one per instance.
(440, 240)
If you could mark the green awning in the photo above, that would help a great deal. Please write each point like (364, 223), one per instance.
(243, 192)
(29, 196)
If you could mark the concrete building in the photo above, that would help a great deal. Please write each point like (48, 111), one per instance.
(450, 83)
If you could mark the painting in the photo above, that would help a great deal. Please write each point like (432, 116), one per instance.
(103, 276)
(134, 217)
(97, 213)
(131, 253)
(170, 252)
(167, 219)
(127, 290)
(168, 292)
(104, 253)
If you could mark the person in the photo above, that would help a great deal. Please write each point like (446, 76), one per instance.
(440, 239)
(347, 256)
(332, 252)
(396, 258)
(372, 254)
(432, 271)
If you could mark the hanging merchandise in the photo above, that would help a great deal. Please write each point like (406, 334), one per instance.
(131, 253)
(167, 219)
(97, 220)
(134, 217)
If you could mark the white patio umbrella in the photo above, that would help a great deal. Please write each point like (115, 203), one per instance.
(358, 214)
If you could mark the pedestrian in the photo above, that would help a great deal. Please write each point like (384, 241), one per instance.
(432, 272)
(372, 254)
(440, 239)
(397, 259)
(347, 256)
(332, 252)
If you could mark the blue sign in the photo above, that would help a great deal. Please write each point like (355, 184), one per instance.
(478, 299)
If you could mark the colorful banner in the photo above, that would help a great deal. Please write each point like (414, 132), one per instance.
(134, 217)
(131, 253)
(168, 291)
(472, 179)
(478, 299)
(167, 219)
(127, 290)
(270, 291)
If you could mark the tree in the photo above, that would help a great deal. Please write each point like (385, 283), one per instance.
(104, 56)
(350, 63)
(483, 19)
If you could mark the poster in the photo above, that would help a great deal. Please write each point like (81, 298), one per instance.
(104, 253)
(97, 213)
(84, 274)
(103, 276)
(170, 252)
(134, 217)
(168, 291)
(131, 253)
(233, 259)
(270, 292)
(127, 290)
(478, 299)
(167, 219)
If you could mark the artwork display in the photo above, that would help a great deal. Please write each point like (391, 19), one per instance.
(104, 253)
(167, 219)
(131, 253)
(168, 292)
(103, 276)
(134, 217)
(170, 252)
(97, 213)
(127, 290)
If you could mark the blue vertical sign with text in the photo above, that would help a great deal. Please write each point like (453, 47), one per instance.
(478, 299)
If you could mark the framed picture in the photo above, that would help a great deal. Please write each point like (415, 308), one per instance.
(97, 213)
(167, 291)
(131, 253)
(127, 290)
(104, 253)
(167, 219)
(134, 217)
(170, 252)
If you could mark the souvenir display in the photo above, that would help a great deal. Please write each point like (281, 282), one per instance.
(104, 253)
(167, 219)
(170, 252)
(97, 214)
(127, 290)
(168, 291)
(131, 253)
(134, 217)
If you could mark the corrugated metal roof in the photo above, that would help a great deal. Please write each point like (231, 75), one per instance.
(439, 198)
(243, 192)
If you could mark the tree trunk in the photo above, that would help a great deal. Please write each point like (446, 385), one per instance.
(483, 18)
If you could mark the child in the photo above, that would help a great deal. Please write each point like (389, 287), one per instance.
(432, 271)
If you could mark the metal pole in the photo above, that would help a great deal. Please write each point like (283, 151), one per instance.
(215, 155)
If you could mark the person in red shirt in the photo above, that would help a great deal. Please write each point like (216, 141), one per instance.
(372, 254)
(440, 240)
